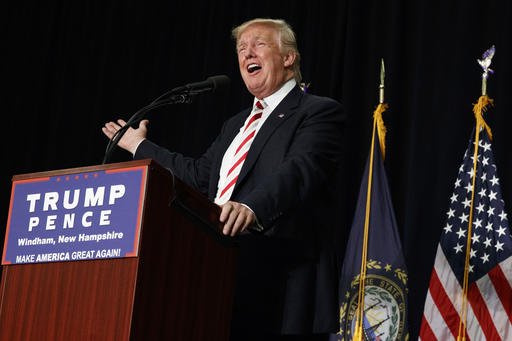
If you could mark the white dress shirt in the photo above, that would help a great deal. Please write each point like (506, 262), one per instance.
(271, 102)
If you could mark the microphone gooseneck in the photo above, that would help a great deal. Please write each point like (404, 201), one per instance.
(182, 94)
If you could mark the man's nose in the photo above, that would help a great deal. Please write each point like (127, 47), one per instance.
(248, 52)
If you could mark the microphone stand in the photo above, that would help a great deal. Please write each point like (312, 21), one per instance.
(174, 96)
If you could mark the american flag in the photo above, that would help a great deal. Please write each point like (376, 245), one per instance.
(489, 292)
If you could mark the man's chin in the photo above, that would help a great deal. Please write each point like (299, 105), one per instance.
(253, 87)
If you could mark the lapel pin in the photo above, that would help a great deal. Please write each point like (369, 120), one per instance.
(280, 115)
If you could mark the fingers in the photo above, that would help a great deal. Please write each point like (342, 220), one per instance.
(236, 218)
(111, 128)
(108, 130)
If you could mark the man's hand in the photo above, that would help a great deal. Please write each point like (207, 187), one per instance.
(236, 218)
(131, 138)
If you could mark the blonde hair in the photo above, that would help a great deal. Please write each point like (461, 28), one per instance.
(286, 37)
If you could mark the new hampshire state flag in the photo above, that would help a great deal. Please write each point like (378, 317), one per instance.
(374, 242)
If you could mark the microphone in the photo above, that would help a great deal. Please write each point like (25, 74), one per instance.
(210, 84)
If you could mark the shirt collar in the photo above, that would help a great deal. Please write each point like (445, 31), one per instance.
(273, 100)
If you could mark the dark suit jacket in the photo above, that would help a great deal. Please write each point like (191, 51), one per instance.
(288, 275)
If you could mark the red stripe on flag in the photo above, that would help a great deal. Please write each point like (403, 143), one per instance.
(444, 304)
(426, 333)
(482, 313)
(503, 289)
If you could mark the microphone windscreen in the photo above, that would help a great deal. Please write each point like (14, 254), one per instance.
(219, 81)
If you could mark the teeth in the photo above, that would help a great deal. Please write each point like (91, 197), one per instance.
(253, 67)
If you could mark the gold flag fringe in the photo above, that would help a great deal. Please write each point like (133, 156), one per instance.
(478, 109)
(381, 128)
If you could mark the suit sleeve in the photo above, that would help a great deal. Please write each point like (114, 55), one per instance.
(194, 172)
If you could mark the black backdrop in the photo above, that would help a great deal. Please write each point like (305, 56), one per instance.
(68, 67)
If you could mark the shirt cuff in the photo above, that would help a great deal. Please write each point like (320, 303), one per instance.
(257, 226)
(137, 147)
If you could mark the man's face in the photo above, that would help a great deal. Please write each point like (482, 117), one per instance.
(263, 67)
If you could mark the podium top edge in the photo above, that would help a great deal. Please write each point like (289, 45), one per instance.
(85, 169)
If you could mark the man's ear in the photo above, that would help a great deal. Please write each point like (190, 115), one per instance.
(289, 59)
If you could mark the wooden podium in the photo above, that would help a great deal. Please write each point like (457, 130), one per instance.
(179, 286)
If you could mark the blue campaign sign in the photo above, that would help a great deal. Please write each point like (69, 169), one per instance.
(74, 217)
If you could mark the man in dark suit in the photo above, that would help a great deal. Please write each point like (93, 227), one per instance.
(274, 176)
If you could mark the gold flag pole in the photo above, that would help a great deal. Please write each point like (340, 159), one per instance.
(378, 125)
(478, 109)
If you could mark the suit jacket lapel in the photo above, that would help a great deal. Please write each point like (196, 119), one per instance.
(282, 112)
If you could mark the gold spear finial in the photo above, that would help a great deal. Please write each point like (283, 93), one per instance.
(381, 85)
(485, 62)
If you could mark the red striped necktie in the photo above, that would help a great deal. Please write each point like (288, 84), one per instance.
(240, 153)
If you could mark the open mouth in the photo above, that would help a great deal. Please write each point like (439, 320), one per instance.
(253, 67)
